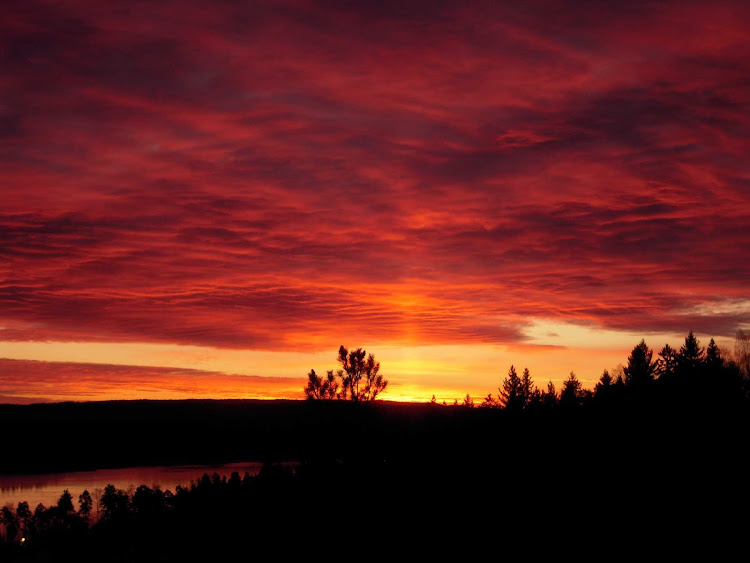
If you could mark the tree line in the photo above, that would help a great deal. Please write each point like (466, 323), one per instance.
(359, 379)
(22, 525)
(142, 518)
(691, 365)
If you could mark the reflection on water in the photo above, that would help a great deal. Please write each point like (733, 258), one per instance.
(47, 488)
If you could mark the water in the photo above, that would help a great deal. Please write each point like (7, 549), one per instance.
(47, 488)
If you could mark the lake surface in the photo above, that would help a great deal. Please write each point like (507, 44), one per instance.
(47, 488)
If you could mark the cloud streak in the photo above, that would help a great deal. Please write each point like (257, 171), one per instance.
(26, 381)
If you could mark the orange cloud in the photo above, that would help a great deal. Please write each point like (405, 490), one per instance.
(25, 381)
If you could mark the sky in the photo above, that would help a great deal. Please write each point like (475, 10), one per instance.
(206, 199)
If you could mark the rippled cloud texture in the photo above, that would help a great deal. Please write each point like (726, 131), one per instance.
(292, 176)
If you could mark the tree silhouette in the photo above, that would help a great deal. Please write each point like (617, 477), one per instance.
(640, 368)
(23, 513)
(360, 379)
(359, 375)
(549, 397)
(529, 392)
(319, 388)
(666, 365)
(511, 393)
(691, 355)
(148, 502)
(10, 520)
(65, 503)
(468, 401)
(40, 518)
(572, 394)
(714, 360)
(115, 503)
(605, 385)
(517, 393)
(489, 402)
(85, 503)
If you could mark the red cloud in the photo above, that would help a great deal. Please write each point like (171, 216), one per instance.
(258, 176)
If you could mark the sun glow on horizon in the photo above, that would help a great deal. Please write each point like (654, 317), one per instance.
(415, 373)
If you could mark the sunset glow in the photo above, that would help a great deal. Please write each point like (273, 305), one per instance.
(206, 199)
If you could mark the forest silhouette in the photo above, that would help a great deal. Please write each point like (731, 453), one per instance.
(655, 451)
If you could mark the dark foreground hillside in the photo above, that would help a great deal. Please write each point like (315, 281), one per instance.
(73, 436)
(383, 476)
